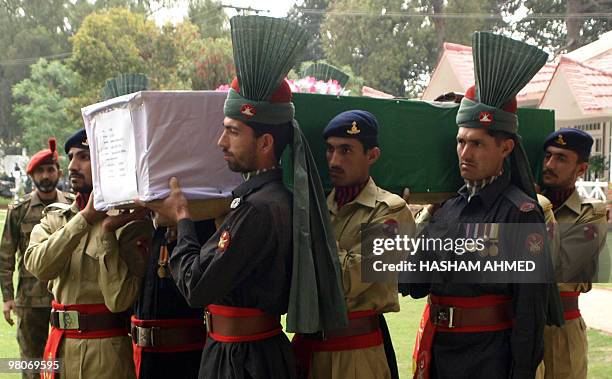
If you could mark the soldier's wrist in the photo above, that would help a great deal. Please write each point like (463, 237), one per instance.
(182, 212)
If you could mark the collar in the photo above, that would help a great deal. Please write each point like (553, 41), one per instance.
(488, 192)
(367, 197)
(345, 195)
(255, 182)
(573, 202)
(558, 197)
(36, 200)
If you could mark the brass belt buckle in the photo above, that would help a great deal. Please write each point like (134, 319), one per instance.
(144, 337)
(208, 321)
(68, 320)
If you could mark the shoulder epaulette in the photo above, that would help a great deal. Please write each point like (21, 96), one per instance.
(21, 201)
(599, 207)
(392, 200)
(61, 207)
(520, 199)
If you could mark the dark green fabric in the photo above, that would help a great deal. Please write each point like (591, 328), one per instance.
(469, 113)
(124, 84)
(502, 67)
(265, 49)
(262, 111)
(325, 72)
(417, 139)
(316, 298)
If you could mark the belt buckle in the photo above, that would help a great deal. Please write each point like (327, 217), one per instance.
(68, 320)
(446, 314)
(207, 321)
(144, 336)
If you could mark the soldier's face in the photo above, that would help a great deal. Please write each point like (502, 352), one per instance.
(80, 170)
(561, 168)
(45, 177)
(480, 155)
(239, 146)
(347, 161)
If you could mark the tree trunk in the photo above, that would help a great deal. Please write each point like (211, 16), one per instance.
(439, 22)
(572, 41)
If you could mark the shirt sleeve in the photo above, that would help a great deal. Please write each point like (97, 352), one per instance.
(8, 249)
(205, 274)
(122, 264)
(49, 250)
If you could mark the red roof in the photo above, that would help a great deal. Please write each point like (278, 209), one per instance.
(460, 59)
(591, 86)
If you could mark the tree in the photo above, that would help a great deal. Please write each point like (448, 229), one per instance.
(569, 30)
(208, 64)
(44, 104)
(209, 17)
(112, 42)
(310, 15)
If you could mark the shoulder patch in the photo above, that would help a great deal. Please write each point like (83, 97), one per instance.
(520, 199)
(69, 195)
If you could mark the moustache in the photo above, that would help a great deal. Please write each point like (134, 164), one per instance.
(76, 175)
(549, 172)
(336, 170)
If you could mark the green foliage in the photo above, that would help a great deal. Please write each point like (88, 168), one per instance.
(310, 14)
(209, 17)
(210, 63)
(111, 42)
(44, 104)
(597, 165)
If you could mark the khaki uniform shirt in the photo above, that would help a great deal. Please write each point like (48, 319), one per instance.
(84, 265)
(372, 206)
(582, 231)
(20, 220)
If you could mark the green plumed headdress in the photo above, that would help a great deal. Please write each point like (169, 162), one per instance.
(326, 72)
(124, 84)
(265, 49)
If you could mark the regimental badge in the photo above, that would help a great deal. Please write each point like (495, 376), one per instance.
(527, 207)
(534, 243)
(485, 118)
(354, 129)
(560, 140)
(248, 110)
(224, 241)
(235, 203)
(590, 232)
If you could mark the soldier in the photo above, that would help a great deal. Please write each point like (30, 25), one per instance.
(268, 257)
(33, 302)
(94, 264)
(167, 334)
(499, 323)
(582, 230)
(358, 352)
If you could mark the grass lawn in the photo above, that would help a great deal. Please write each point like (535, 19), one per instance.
(403, 327)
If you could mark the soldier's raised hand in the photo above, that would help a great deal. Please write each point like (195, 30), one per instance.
(174, 207)
(90, 213)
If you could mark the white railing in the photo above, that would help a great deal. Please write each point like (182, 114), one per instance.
(593, 190)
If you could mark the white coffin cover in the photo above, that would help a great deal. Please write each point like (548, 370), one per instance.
(138, 141)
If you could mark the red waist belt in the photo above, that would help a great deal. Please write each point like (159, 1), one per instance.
(458, 315)
(362, 332)
(165, 336)
(569, 301)
(235, 324)
(82, 321)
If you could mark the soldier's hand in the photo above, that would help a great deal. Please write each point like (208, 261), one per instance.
(90, 213)
(112, 223)
(174, 207)
(7, 308)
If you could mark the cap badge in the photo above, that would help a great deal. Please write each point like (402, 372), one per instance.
(85, 142)
(560, 140)
(354, 129)
(224, 241)
(248, 110)
(485, 118)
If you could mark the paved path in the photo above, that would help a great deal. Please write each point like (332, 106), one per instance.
(596, 309)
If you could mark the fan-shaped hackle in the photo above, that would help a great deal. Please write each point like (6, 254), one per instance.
(124, 84)
(265, 49)
(325, 72)
(503, 66)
